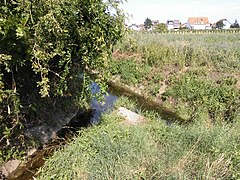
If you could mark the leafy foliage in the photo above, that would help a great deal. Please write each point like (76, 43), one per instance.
(50, 47)
(235, 25)
(148, 23)
(220, 24)
(221, 101)
(130, 71)
(161, 28)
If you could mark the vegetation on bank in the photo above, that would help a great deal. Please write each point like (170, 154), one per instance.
(194, 75)
(155, 150)
(47, 49)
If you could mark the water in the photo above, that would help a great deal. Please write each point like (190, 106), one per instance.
(100, 107)
(89, 117)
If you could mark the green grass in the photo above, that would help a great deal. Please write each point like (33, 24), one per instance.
(152, 151)
(220, 100)
(199, 71)
(131, 72)
(201, 75)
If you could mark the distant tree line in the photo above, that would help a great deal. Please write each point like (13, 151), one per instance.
(161, 27)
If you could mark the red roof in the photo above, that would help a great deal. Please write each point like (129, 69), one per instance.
(198, 20)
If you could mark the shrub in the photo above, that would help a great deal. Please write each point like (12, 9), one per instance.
(47, 49)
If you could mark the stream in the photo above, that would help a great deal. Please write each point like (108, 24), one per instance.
(85, 119)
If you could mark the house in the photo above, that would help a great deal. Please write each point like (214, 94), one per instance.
(198, 23)
(155, 22)
(173, 24)
(141, 27)
(136, 27)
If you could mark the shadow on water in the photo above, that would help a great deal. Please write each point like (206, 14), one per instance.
(64, 136)
(85, 119)
(91, 116)
(100, 107)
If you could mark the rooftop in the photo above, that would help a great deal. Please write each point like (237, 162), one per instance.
(198, 20)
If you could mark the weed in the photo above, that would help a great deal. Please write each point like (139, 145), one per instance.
(198, 70)
(151, 151)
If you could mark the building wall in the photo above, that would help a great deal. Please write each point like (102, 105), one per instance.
(170, 27)
(196, 26)
(136, 28)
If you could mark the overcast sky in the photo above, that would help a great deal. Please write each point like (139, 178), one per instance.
(164, 10)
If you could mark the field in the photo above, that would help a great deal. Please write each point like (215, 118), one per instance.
(195, 75)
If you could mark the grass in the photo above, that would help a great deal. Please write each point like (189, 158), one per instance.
(183, 72)
(151, 151)
(195, 75)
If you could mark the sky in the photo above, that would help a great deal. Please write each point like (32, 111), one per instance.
(163, 10)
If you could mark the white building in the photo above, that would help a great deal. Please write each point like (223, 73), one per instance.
(135, 27)
(173, 24)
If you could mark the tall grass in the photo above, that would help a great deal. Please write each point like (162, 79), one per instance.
(200, 71)
(151, 151)
(219, 50)
(196, 75)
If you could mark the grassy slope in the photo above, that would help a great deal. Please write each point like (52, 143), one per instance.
(151, 151)
(188, 73)
(194, 75)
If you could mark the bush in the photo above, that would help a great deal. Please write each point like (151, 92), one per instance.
(46, 47)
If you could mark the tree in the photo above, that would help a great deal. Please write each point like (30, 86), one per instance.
(235, 25)
(148, 24)
(220, 24)
(161, 28)
(47, 50)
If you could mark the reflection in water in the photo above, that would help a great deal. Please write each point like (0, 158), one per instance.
(100, 107)
(85, 118)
